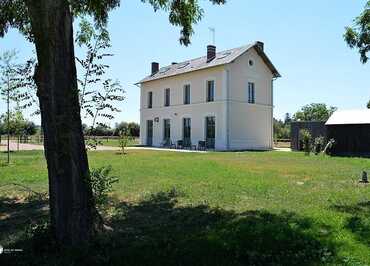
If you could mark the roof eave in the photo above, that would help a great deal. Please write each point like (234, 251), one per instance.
(346, 124)
(267, 61)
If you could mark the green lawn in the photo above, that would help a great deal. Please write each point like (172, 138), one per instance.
(115, 142)
(257, 208)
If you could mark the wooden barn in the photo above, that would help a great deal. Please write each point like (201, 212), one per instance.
(351, 131)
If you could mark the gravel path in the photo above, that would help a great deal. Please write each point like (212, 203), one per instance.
(22, 146)
(31, 147)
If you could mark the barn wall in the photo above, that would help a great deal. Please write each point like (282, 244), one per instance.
(316, 128)
(350, 139)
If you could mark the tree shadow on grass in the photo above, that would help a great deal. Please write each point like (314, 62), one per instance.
(359, 220)
(16, 214)
(157, 231)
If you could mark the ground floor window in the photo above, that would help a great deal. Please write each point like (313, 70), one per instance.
(187, 131)
(166, 129)
(210, 132)
(149, 132)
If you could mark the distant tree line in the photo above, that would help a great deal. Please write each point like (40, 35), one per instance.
(18, 125)
(282, 127)
(309, 112)
(314, 112)
(132, 128)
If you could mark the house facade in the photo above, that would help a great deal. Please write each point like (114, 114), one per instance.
(223, 99)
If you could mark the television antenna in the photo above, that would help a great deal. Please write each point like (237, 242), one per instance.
(213, 34)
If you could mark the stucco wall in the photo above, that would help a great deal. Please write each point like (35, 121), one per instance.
(250, 124)
(241, 73)
(250, 127)
(197, 110)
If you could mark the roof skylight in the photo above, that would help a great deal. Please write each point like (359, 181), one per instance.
(182, 65)
(223, 55)
(164, 70)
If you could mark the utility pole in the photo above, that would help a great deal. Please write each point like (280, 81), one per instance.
(8, 102)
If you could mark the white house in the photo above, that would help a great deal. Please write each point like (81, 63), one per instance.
(223, 100)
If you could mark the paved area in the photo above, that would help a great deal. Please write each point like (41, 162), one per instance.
(29, 147)
(163, 149)
(22, 146)
(282, 149)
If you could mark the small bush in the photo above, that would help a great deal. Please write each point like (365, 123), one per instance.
(102, 183)
(124, 139)
(305, 137)
(318, 144)
(92, 143)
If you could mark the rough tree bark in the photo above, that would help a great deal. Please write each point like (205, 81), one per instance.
(72, 210)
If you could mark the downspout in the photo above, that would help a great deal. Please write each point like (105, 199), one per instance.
(227, 109)
(272, 112)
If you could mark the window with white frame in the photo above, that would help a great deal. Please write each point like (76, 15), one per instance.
(187, 94)
(251, 93)
(167, 97)
(210, 90)
(186, 130)
(166, 129)
(150, 99)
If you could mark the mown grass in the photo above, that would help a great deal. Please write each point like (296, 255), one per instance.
(115, 142)
(258, 208)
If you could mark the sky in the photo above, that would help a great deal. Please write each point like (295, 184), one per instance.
(304, 40)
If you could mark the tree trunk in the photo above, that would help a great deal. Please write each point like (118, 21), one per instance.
(72, 209)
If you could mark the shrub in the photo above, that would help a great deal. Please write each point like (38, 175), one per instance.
(92, 143)
(318, 144)
(102, 183)
(124, 139)
(305, 137)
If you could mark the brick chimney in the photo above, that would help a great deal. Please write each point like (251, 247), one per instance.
(155, 67)
(260, 45)
(211, 53)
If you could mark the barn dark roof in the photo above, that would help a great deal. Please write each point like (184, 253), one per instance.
(222, 58)
(349, 117)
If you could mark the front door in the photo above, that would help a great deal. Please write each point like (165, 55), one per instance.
(210, 132)
(149, 132)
